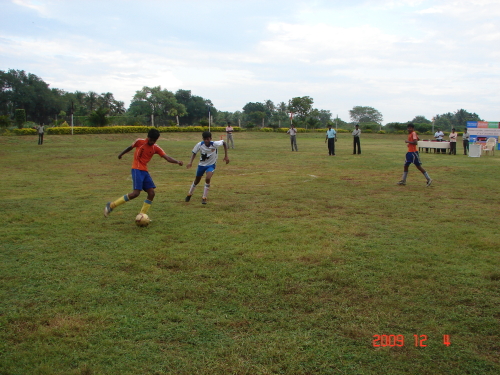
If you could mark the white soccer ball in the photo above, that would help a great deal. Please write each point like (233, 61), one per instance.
(142, 220)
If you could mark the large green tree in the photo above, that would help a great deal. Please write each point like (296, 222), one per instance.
(365, 114)
(196, 107)
(301, 106)
(163, 104)
(457, 120)
(21, 90)
(256, 113)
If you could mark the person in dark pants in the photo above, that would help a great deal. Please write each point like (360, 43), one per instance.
(293, 137)
(355, 134)
(331, 137)
(453, 142)
(40, 130)
(465, 141)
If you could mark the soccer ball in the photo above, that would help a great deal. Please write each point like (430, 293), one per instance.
(142, 220)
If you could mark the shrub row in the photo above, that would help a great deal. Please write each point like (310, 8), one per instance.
(163, 129)
(120, 129)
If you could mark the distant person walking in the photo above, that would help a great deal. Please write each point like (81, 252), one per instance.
(40, 130)
(355, 135)
(293, 137)
(465, 141)
(331, 137)
(229, 133)
(453, 142)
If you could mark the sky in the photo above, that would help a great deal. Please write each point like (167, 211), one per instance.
(405, 58)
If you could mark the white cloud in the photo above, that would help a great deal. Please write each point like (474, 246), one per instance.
(37, 6)
(404, 57)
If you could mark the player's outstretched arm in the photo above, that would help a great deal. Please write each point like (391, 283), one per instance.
(128, 149)
(172, 160)
(193, 155)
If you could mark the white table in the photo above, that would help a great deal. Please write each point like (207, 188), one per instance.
(433, 145)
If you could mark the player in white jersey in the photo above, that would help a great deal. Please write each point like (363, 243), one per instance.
(208, 160)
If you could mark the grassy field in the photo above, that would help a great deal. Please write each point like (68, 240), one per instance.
(297, 261)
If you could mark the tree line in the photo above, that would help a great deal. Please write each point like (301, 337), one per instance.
(156, 106)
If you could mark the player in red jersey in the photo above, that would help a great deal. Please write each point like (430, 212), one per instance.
(144, 151)
(412, 156)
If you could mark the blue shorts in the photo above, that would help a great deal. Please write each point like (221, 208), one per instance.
(202, 169)
(141, 180)
(412, 158)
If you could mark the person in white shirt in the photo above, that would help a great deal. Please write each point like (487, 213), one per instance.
(453, 142)
(229, 133)
(293, 137)
(439, 137)
(208, 160)
(355, 135)
(465, 141)
(40, 130)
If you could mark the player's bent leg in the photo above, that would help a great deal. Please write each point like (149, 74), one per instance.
(151, 194)
(111, 205)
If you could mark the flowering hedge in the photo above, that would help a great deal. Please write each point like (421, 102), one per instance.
(120, 129)
(64, 130)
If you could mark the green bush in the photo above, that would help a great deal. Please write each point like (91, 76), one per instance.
(20, 117)
(381, 132)
(5, 121)
(266, 129)
(62, 130)
(24, 131)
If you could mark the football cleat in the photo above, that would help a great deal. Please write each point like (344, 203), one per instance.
(107, 209)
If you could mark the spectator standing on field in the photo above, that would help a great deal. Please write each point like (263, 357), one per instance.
(355, 135)
(465, 141)
(40, 130)
(293, 137)
(229, 132)
(453, 142)
(439, 137)
(331, 137)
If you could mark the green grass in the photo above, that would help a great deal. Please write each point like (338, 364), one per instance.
(298, 260)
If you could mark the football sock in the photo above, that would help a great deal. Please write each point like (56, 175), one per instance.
(191, 191)
(145, 207)
(405, 174)
(427, 176)
(119, 201)
(205, 190)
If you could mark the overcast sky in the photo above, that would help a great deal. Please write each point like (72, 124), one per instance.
(403, 57)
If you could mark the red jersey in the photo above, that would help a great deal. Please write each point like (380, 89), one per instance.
(412, 137)
(143, 153)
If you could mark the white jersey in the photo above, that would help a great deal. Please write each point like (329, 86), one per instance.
(208, 155)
